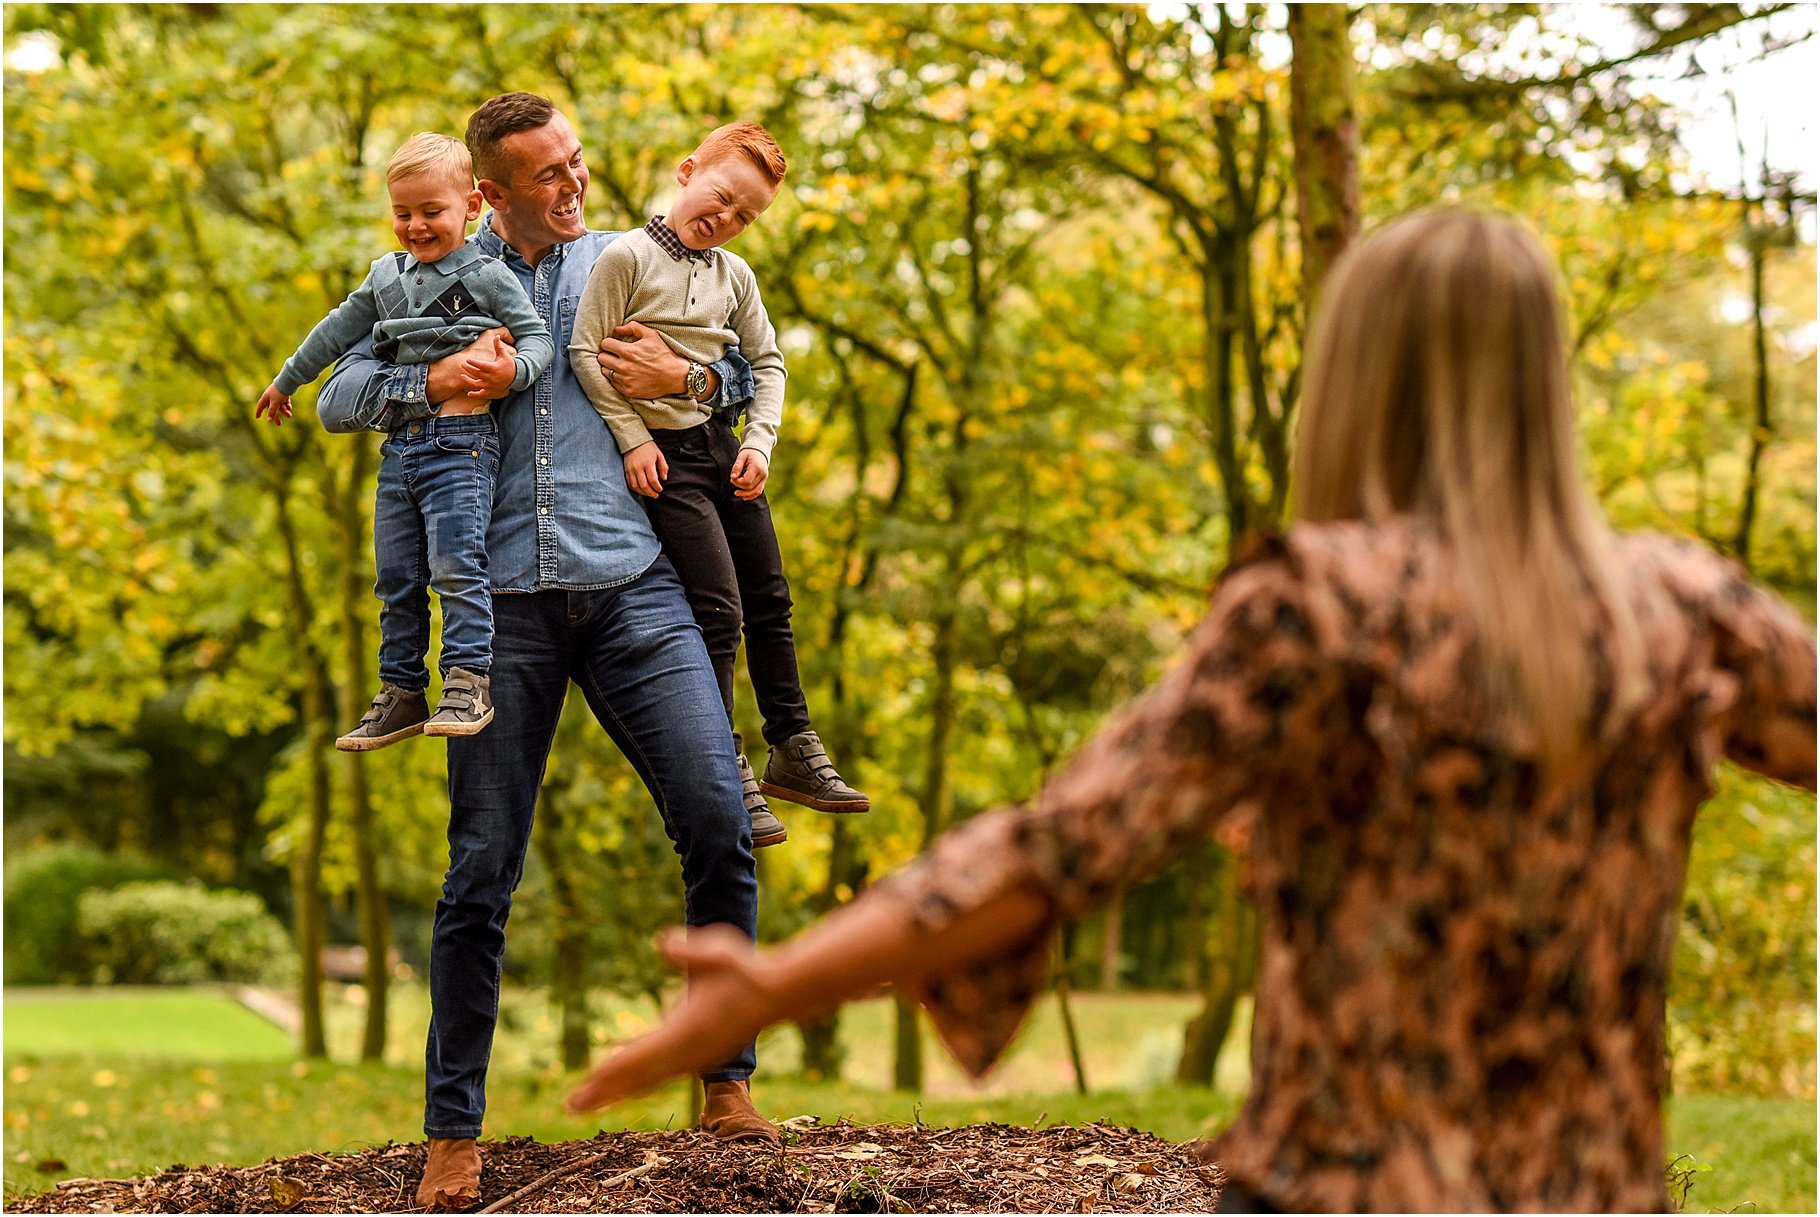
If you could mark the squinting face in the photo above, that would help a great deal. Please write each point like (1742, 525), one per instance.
(542, 200)
(430, 215)
(718, 201)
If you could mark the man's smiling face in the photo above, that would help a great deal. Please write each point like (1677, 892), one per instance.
(541, 203)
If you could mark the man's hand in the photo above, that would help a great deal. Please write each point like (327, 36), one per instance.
(640, 364)
(488, 374)
(646, 470)
(273, 406)
(444, 380)
(750, 470)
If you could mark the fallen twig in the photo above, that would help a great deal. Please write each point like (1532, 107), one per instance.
(652, 1162)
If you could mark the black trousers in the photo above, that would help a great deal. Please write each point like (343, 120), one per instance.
(725, 550)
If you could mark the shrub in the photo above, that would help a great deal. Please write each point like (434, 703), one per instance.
(43, 886)
(1741, 1004)
(175, 933)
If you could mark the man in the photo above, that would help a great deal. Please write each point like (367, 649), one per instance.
(582, 593)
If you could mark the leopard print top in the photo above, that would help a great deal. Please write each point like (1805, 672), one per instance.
(1462, 979)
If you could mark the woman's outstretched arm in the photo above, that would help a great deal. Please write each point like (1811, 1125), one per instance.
(735, 992)
(965, 927)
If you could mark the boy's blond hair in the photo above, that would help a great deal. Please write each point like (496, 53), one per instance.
(746, 139)
(428, 154)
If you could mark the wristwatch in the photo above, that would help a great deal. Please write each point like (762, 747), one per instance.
(696, 383)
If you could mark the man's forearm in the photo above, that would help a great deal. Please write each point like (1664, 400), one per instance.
(730, 378)
(365, 393)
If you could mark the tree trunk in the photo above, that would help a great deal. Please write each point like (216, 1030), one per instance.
(1217, 317)
(907, 1061)
(1194, 921)
(1325, 131)
(908, 1071)
(569, 955)
(822, 1054)
(356, 594)
(1069, 1034)
(1111, 940)
(1755, 238)
(306, 862)
(1230, 962)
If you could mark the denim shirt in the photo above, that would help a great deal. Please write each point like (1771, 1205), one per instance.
(563, 517)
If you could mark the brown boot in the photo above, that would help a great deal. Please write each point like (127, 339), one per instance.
(451, 1176)
(727, 1113)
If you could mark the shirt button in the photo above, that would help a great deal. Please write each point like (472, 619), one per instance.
(543, 511)
(544, 411)
(543, 460)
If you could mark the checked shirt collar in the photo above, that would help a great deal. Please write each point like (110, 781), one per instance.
(671, 244)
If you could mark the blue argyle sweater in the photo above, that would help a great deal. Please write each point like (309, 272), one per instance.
(418, 312)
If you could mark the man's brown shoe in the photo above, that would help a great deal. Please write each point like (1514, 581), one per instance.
(727, 1113)
(451, 1176)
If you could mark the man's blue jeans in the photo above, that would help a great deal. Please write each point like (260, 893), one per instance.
(637, 655)
(435, 497)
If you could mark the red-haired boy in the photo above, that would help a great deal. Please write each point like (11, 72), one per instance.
(702, 487)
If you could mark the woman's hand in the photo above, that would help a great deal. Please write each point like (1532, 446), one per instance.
(735, 992)
(726, 1006)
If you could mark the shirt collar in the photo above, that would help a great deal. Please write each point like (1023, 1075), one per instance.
(671, 244)
(493, 245)
(463, 256)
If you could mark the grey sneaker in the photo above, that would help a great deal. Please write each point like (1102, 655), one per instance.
(394, 715)
(767, 829)
(466, 705)
(799, 771)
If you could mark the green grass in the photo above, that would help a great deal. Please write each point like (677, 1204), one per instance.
(131, 1023)
(1128, 1041)
(117, 1113)
(1761, 1151)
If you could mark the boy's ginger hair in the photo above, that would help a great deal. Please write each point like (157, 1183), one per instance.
(428, 154)
(747, 139)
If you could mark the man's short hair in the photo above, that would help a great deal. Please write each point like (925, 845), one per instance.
(428, 154)
(498, 117)
(744, 139)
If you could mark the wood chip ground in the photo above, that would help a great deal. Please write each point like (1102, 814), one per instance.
(842, 1168)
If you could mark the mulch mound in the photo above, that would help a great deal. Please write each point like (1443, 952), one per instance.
(845, 1168)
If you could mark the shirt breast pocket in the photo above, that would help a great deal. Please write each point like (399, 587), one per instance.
(564, 328)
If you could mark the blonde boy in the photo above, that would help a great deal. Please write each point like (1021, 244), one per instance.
(436, 475)
(703, 488)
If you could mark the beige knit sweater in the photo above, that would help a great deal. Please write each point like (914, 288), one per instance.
(701, 309)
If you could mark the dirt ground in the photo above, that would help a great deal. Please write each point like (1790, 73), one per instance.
(842, 1168)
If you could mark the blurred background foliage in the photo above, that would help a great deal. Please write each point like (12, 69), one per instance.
(1038, 277)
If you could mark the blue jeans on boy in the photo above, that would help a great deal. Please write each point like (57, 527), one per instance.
(636, 653)
(436, 480)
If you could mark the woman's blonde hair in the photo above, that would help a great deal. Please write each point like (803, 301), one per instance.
(1437, 384)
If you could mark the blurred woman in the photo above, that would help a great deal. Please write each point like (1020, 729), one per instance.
(1461, 731)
